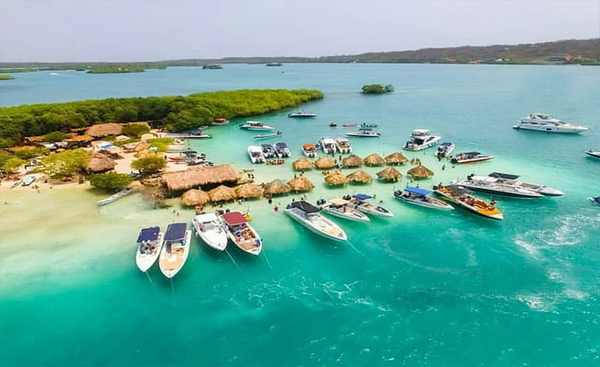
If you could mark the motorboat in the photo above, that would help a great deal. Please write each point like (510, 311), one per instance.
(544, 122)
(28, 180)
(256, 154)
(359, 202)
(593, 153)
(302, 114)
(267, 136)
(343, 145)
(268, 151)
(308, 215)
(309, 150)
(16, 184)
(149, 246)
(445, 149)
(175, 250)
(364, 133)
(496, 186)
(459, 195)
(343, 209)
(509, 179)
(282, 150)
(241, 233)
(220, 121)
(420, 197)
(126, 191)
(332, 124)
(211, 229)
(255, 125)
(421, 139)
(594, 200)
(328, 145)
(364, 125)
(350, 125)
(470, 157)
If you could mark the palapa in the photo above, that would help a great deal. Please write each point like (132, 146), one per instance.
(389, 174)
(352, 161)
(276, 187)
(194, 198)
(360, 177)
(302, 164)
(248, 190)
(201, 176)
(396, 158)
(420, 172)
(301, 183)
(374, 160)
(336, 179)
(98, 162)
(222, 193)
(325, 163)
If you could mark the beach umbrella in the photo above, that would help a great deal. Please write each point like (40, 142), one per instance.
(248, 190)
(276, 187)
(222, 193)
(374, 160)
(352, 161)
(420, 172)
(195, 197)
(301, 183)
(302, 164)
(396, 158)
(98, 162)
(336, 179)
(360, 177)
(325, 163)
(389, 174)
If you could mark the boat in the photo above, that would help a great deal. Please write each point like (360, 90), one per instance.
(268, 151)
(211, 229)
(421, 139)
(175, 250)
(496, 186)
(593, 153)
(267, 136)
(302, 114)
(460, 196)
(544, 122)
(328, 145)
(28, 180)
(115, 197)
(332, 124)
(594, 200)
(149, 245)
(364, 133)
(343, 209)
(309, 150)
(256, 154)
(350, 125)
(16, 184)
(510, 179)
(364, 125)
(343, 145)
(470, 157)
(420, 197)
(282, 150)
(308, 215)
(255, 125)
(445, 149)
(220, 121)
(241, 233)
(359, 201)
(198, 136)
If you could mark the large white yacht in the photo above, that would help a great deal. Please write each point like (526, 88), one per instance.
(255, 125)
(308, 215)
(256, 154)
(508, 179)
(421, 139)
(544, 122)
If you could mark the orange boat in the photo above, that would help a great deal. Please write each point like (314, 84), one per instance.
(309, 150)
(460, 196)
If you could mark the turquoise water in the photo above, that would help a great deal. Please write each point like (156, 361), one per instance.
(422, 288)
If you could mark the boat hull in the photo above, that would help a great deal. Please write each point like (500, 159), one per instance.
(215, 237)
(552, 129)
(451, 199)
(252, 251)
(434, 204)
(591, 153)
(145, 261)
(171, 272)
(523, 193)
(472, 160)
(350, 214)
(311, 228)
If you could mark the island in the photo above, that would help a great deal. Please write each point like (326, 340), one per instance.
(274, 64)
(377, 89)
(6, 77)
(212, 67)
(115, 70)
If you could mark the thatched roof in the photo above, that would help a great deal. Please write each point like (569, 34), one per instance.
(276, 187)
(336, 178)
(147, 136)
(248, 190)
(396, 158)
(195, 197)
(301, 183)
(352, 161)
(78, 139)
(101, 130)
(302, 164)
(360, 177)
(389, 174)
(325, 163)
(98, 162)
(420, 172)
(222, 193)
(374, 160)
(200, 176)
(142, 146)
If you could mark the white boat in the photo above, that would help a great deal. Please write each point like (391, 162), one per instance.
(594, 200)
(343, 145)
(149, 245)
(16, 184)
(495, 186)
(255, 125)
(364, 133)
(175, 250)
(309, 150)
(509, 179)
(359, 201)
(593, 153)
(343, 209)
(256, 154)
(302, 114)
(470, 157)
(421, 139)
(308, 215)
(220, 121)
(328, 145)
(445, 149)
(282, 150)
(268, 151)
(115, 197)
(544, 122)
(267, 136)
(211, 229)
(420, 197)
(28, 180)
(241, 233)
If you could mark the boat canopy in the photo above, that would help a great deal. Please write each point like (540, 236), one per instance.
(305, 206)
(446, 144)
(417, 191)
(362, 196)
(148, 234)
(281, 145)
(175, 231)
(234, 218)
(458, 189)
(268, 146)
(503, 175)
(205, 218)
(308, 146)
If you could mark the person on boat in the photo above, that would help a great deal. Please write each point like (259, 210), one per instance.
(492, 204)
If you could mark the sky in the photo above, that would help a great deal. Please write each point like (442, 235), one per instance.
(153, 30)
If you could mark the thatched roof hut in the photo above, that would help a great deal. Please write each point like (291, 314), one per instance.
(100, 130)
(389, 174)
(302, 164)
(374, 160)
(222, 193)
(301, 183)
(142, 146)
(147, 136)
(396, 158)
(420, 172)
(98, 162)
(336, 179)
(325, 163)
(276, 187)
(248, 190)
(194, 198)
(352, 161)
(360, 177)
(201, 177)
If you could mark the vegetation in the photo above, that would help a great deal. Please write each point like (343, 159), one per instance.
(274, 64)
(29, 152)
(135, 130)
(110, 181)
(162, 144)
(18, 70)
(212, 66)
(149, 165)
(377, 89)
(54, 137)
(12, 165)
(115, 70)
(6, 77)
(64, 165)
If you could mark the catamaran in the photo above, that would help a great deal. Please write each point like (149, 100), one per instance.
(175, 250)
(241, 233)
(546, 123)
(149, 245)
(211, 229)
(460, 196)
(359, 201)
(420, 197)
(255, 125)
(308, 215)
(342, 209)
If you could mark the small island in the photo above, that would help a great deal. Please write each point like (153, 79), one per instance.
(6, 77)
(377, 89)
(274, 64)
(115, 70)
(212, 67)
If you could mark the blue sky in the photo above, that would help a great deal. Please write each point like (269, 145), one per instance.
(135, 30)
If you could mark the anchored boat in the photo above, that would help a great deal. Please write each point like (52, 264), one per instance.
(175, 250)
(342, 209)
(546, 123)
(149, 245)
(359, 202)
(241, 233)
(470, 157)
(308, 215)
(211, 229)
(460, 196)
(420, 197)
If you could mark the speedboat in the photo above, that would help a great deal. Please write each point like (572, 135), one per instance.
(256, 154)
(28, 180)
(255, 125)
(460, 196)
(308, 215)
(350, 125)
(359, 202)
(364, 133)
(241, 233)
(328, 145)
(114, 197)
(593, 153)
(282, 150)
(175, 250)
(268, 151)
(544, 122)
(595, 200)
(309, 150)
(444, 149)
(343, 145)
(302, 114)
(16, 184)
(421, 139)
(510, 180)
(220, 121)
(209, 227)
(495, 186)
(343, 209)
(418, 196)
(149, 244)
(267, 136)
(470, 157)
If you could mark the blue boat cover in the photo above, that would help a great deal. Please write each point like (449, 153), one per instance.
(175, 231)
(148, 234)
(417, 191)
(362, 196)
(281, 145)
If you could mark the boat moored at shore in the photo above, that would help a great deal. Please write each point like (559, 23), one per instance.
(256, 154)
(175, 250)
(460, 196)
(546, 123)
(444, 150)
(309, 150)
(149, 246)
(282, 150)
(328, 145)
(220, 121)
(359, 202)
(420, 197)
(343, 145)
(211, 229)
(308, 215)
(126, 191)
(241, 233)
(470, 157)
(342, 209)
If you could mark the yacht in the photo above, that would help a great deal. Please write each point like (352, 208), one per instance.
(328, 145)
(256, 154)
(359, 202)
(420, 197)
(241, 233)
(308, 215)
(460, 196)
(509, 179)
(255, 125)
(211, 229)
(421, 139)
(175, 250)
(149, 244)
(343, 145)
(444, 150)
(309, 150)
(470, 157)
(544, 122)
(268, 151)
(282, 150)
(364, 133)
(302, 114)
(343, 209)
(495, 186)
(593, 153)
